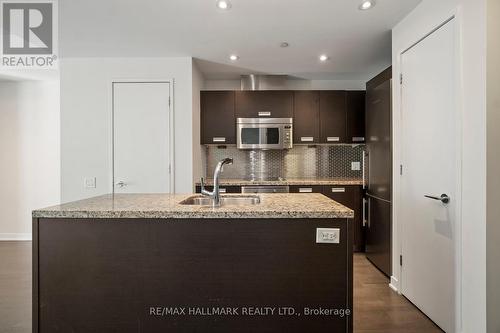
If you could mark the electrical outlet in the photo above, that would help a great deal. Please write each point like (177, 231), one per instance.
(89, 182)
(355, 166)
(328, 235)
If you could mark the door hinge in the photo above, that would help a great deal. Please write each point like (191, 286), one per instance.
(401, 169)
(401, 78)
(168, 100)
(400, 260)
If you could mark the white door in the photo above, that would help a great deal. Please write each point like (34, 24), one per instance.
(141, 137)
(430, 167)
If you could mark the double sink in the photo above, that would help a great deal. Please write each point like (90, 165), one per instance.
(233, 200)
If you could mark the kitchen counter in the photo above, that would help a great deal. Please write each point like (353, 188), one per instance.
(126, 261)
(167, 206)
(288, 181)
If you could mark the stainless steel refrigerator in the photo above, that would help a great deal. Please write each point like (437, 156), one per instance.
(378, 171)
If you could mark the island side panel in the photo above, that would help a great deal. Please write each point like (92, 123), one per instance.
(99, 275)
(34, 280)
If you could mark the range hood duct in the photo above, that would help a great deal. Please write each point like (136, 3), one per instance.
(263, 82)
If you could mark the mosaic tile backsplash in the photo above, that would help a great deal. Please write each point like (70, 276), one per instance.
(299, 162)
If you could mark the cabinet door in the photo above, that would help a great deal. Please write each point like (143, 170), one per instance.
(306, 189)
(306, 117)
(355, 117)
(332, 108)
(218, 124)
(351, 197)
(271, 104)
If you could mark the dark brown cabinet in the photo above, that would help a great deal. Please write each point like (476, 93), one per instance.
(355, 117)
(332, 111)
(306, 189)
(327, 116)
(218, 124)
(223, 189)
(269, 103)
(306, 117)
(351, 197)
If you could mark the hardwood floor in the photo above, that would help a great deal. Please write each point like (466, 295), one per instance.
(15, 287)
(377, 309)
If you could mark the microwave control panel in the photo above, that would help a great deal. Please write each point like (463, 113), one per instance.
(287, 137)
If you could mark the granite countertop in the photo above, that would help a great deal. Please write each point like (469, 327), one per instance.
(297, 205)
(288, 181)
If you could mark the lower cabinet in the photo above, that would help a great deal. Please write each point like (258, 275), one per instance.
(306, 189)
(350, 196)
(223, 189)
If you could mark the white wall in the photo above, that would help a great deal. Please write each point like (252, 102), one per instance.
(420, 21)
(86, 118)
(29, 146)
(493, 167)
(198, 152)
(293, 84)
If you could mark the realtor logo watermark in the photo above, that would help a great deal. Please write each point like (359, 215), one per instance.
(29, 31)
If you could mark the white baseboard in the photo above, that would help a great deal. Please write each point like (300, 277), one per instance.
(394, 284)
(15, 237)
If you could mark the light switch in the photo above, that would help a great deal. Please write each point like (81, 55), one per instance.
(355, 166)
(328, 235)
(89, 182)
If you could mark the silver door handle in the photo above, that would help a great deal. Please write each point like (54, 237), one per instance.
(121, 184)
(444, 198)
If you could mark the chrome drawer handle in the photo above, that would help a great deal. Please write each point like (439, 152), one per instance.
(305, 190)
(264, 113)
(338, 189)
(358, 139)
(333, 139)
(219, 139)
(306, 139)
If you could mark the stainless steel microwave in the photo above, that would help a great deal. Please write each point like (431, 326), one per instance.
(264, 133)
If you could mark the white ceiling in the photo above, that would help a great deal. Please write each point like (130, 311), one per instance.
(357, 42)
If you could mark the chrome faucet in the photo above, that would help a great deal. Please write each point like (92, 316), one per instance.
(215, 195)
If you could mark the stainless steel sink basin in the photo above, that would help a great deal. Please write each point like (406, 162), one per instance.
(233, 200)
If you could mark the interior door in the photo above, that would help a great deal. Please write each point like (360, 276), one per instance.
(141, 137)
(430, 167)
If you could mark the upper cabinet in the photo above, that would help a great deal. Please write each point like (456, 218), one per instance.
(332, 112)
(218, 124)
(306, 117)
(326, 116)
(355, 125)
(265, 103)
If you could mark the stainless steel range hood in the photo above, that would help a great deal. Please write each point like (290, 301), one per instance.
(263, 82)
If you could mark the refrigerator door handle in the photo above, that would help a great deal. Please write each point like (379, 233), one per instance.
(368, 214)
(364, 212)
(365, 152)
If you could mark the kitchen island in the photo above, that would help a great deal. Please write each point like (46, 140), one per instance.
(161, 263)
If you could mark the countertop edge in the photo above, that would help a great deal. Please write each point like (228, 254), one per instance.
(190, 215)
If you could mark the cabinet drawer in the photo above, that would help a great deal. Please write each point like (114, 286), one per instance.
(222, 189)
(305, 189)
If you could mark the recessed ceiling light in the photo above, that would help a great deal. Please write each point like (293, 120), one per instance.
(284, 44)
(323, 57)
(233, 57)
(367, 4)
(223, 4)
